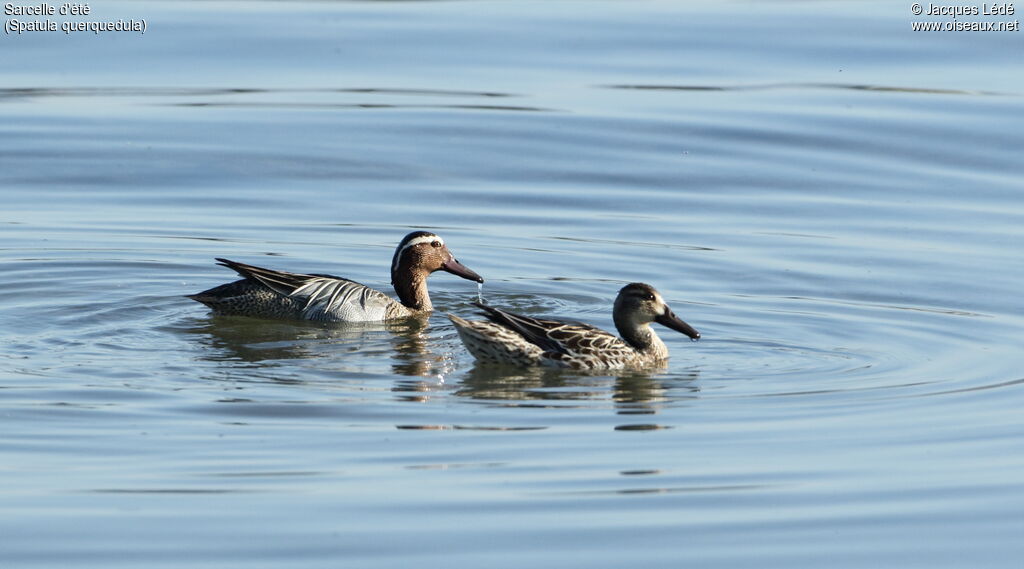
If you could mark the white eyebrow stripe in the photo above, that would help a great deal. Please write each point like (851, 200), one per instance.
(413, 243)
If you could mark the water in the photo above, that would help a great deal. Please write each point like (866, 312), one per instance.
(833, 200)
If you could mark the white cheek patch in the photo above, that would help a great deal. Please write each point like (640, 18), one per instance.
(412, 243)
(660, 306)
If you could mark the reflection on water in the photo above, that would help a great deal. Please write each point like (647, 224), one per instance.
(273, 98)
(257, 340)
(268, 342)
(632, 392)
(761, 87)
(415, 353)
(107, 92)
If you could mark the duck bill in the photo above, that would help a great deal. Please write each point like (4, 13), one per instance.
(670, 320)
(453, 266)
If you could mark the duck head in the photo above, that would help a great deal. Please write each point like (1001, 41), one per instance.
(422, 253)
(639, 304)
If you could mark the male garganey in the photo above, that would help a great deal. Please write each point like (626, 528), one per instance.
(267, 293)
(521, 340)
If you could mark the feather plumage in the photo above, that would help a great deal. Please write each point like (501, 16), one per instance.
(270, 293)
(506, 337)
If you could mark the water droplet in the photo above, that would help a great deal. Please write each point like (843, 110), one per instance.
(480, 292)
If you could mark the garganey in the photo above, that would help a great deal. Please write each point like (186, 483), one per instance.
(521, 340)
(268, 293)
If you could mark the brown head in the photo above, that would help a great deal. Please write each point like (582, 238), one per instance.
(639, 304)
(419, 254)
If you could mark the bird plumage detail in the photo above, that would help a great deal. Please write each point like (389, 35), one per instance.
(269, 293)
(510, 338)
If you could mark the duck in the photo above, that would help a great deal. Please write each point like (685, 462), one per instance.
(269, 293)
(509, 338)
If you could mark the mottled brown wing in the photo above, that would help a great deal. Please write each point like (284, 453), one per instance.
(583, 340)
(556, 336)
(533, 330)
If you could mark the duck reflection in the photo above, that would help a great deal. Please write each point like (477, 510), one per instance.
(632, 392)
(412, 354)
(260, 341)
(505, 383)
(428, 357)
(640, 393)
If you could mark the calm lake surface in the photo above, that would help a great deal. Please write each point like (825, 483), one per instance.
(833, 200)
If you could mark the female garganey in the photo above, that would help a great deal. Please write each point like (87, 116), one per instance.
(267, 293)
(521, 340)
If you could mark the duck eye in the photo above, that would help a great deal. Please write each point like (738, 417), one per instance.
(650, 297)
(435, 244)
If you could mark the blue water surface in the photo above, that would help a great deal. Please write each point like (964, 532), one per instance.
(831, 198)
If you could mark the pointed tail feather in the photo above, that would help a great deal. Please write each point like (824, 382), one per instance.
(279, 281)
(531, 329)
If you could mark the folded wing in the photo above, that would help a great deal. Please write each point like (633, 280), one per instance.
(323, 297)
